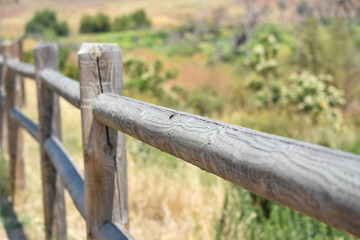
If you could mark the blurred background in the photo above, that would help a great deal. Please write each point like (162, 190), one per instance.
(286, 67)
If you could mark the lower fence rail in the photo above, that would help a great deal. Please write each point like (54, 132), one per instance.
(69, 172)
(113, 231)
(30, 126)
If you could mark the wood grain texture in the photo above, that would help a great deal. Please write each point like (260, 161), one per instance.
(104, 149)
(113, 231)
(46, 56)
(15, 139)
(62, 85)
(70, 173)
(20, 57)
(317, 181)
(25, 69)
(26, 123)
(3, 118)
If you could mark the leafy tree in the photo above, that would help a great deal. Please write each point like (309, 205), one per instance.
(45, 21)
(95, 24)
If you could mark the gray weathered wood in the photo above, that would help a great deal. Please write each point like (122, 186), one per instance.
(317, 181)
(62, 85)
(25, 69)
(3, 118)
(1, 59)
(113, 231)
(15, 140)
(25, 122)
(104, 149)
(46, 56)
(70, 173)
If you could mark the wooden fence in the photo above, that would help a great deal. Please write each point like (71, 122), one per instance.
(320, 182)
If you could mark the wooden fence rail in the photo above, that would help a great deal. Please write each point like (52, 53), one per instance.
(321, 182)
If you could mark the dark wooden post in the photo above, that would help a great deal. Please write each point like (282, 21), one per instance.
(3, 119)
(15, 139)
(46, 56)
(22, 82)
(106, 200)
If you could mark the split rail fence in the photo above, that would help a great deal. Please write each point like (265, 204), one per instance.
(320, 182)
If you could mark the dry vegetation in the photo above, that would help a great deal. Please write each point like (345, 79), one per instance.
(163, 205)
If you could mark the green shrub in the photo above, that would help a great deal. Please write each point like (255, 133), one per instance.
(205, 101)
(240, 219)
(147, 78)
(262, 61)
(45, 21)
(135, 20)
(95, 24)
(315, 95)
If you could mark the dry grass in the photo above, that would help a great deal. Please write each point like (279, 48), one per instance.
(162, 205)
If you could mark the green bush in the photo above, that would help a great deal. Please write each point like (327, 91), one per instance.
(45, 21)
(95, 24)
(135, 20)
(240, 219)
(147, 78)
(315, 95)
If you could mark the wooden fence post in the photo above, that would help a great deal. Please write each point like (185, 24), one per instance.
(22, 82)
(15, 139)
(106, 200)
(3, 118)
(46, 56)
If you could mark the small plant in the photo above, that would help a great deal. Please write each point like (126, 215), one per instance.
(95, 24)
(45, 22)
(315, 95)
(268, 89)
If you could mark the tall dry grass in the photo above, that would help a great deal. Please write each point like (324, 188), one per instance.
(166, 202)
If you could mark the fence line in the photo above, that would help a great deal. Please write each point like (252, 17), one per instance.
(321, 182)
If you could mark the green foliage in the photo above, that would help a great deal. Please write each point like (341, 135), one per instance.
(330, 49)
(44, 22)
(240, 219)
(147, 78)
(135, 20)
(205, 101)
(315, 95)
(310, 46)
(268, 89)
(95, 24)
(67, 67)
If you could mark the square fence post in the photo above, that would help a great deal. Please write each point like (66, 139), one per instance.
(46, 56)
(15, 138)
(106, 198)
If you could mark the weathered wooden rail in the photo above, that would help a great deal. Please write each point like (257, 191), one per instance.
(321, 182)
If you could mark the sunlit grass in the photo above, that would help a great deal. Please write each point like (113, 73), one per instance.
(168, 198)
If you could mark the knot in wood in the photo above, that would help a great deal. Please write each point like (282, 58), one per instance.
(96, 52)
